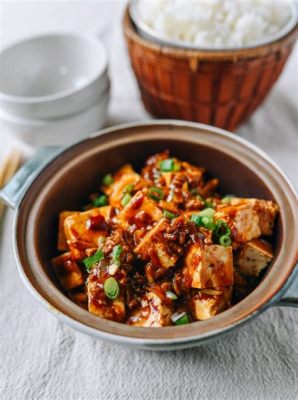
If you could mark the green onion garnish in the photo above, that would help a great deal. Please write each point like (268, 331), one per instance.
(207, 212)
(204, 219)
(125, 199)
(116, 253)
(111, 288)
(168, 214)
(100, 201)
(227, 199)
(208, 204)
(225, 240)
(108, 180)
(222, 233)
(168, 165)
(180, 319)
(89, 261)
(156, 193)
(171, 295)
(221, 229)
(129, 188)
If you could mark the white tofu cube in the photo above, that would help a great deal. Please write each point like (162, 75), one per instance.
(253, 257)
(124, 177)
(152, 313)
(140, 211)
(206, 305)
(243, 221)
(208, 267)
(86, 230)
(266, 210)
(153, 247)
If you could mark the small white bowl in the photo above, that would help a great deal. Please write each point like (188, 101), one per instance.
(62, 131)
(52, 75)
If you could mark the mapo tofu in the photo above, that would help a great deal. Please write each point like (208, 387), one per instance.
(160, 246)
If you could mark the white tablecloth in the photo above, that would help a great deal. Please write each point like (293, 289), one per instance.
(42, 359)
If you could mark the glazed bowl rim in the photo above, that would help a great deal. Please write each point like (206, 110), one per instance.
(149, 34)
(63, 94)
(142, 336)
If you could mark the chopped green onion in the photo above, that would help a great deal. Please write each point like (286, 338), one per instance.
(156, 193)
(116, 253)
(221, 229)
(225, 240)
(222, 233)
(168, 165)
(227, 199)
(90, 261)
(171, 295)
(180, 319)
(126, 199)
(111, 288)
(108, 180)
(204, 219)
(168, 214)
(208, 204)
(207, 212)
(100, 201)
(129, 188)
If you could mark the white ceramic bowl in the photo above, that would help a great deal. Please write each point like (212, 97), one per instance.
(52, 75)
(62, 131)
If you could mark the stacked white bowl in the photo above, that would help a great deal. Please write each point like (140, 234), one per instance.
(54, 89)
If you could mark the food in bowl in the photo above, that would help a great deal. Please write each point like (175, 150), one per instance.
(216, 24)
(162, 247)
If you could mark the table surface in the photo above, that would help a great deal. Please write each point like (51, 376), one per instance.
(44, 359)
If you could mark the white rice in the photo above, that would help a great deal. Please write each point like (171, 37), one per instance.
(215, 23)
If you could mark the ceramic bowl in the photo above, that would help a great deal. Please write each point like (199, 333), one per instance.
(60, 131)
(46, 185)
(53, 75)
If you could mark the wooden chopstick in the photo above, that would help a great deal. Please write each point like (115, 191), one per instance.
(7, 169)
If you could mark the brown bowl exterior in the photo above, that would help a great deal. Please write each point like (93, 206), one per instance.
(64, 183)
(220, 88)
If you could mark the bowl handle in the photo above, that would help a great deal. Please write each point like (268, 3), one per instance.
(289, 295)
(13, 192)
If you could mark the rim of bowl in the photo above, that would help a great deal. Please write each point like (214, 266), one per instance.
(29, 122)
(102, 72)
(64, 309)
(150, 34)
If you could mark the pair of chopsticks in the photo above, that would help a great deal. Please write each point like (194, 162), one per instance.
(7, 170)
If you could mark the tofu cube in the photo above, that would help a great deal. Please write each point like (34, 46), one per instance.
(152, 313)
(140, 211)
(62, 243)
(253, 257)
(99, 304)
(210, 266)
(243, 221)
(205, 304)
(266, 211)
(67, 271)
(85, 230)
(153, 247)
(124, 177)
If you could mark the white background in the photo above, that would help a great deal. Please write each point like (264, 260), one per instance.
(42, 359)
